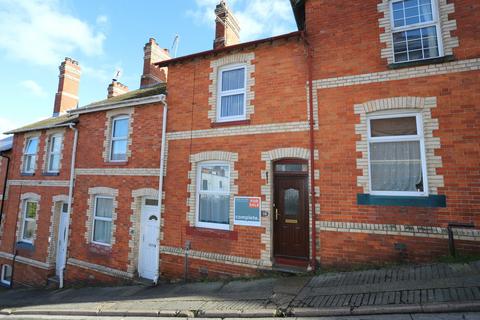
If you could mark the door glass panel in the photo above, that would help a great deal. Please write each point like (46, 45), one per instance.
(291, 202)
(291, 167)
(151, 202)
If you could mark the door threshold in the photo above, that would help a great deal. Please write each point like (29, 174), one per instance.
(289, 269)
(144, 282)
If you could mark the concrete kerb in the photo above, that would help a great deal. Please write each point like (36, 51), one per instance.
(473, 306)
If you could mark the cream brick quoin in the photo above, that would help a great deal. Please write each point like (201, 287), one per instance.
(100, 191)
(107, 142)
(267, 191)
(239, 58)
(138, 196)
(23, 198)
(195, 159)
(446, 26)
(422, 105)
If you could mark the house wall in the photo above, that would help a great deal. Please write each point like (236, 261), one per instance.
(93, 262)
(34, 263)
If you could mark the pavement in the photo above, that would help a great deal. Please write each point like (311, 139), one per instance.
(413, 291)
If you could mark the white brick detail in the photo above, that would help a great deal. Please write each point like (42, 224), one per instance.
(423, 105)
(446, 26)
(98, 268)
(267, 191)
(244, 58)
(400, 230)
(100, 191)
(229, 157)
(135, 219)
(146, 172)
(108, 131)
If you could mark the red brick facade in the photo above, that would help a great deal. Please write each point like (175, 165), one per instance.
(350, 79)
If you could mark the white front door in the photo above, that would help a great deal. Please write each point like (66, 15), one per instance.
(61, 237)
(149, 230)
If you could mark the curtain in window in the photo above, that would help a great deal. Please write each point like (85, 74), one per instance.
(233, 79)
(232, 105)
(104, 208)
(103, 231)
(396, 166)
(214, 208)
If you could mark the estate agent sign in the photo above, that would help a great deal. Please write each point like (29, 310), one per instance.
(247, 211)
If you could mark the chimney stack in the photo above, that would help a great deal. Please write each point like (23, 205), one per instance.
(153, 75)
(116, 89)
(227, 29)
(68, 83)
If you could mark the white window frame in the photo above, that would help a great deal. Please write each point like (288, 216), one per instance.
(52, 153)
(2, 278)
(123, 138)
(25, 219)
(418, 137)
(221, 93)
(210, 225)
(32, 155)
(434, 23)
(95, 218)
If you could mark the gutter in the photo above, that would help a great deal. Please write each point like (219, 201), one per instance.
(70, 196)
(160, 182)
(118, 104)
(40, 128)
(312, 149)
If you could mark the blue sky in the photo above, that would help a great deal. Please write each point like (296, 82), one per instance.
(105, 35)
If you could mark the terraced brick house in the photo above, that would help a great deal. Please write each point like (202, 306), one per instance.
(353, 140)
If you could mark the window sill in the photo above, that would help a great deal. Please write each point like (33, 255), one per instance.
(432, 201)
(116, 163)
(51, 174)
(212, 233)
(26, 174)
(417, 63)
(25, 246)
(230, 123)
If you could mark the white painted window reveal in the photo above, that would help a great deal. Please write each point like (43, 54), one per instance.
(232, 93)
(102, 221)
(30, 155)
(213, 195)
(397, 163)
(6, 275)
(119, 139)
(416, 32)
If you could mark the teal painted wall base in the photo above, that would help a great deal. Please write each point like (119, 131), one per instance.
(433, 201)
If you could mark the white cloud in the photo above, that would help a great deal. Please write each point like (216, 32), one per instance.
(37, 31)
(257, 18)
(34, 88)
(102, 19)
(7, 124)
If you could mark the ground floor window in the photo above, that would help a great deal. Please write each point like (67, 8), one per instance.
(213, 195)
(102, 220)
(6, 275)
(29, 221)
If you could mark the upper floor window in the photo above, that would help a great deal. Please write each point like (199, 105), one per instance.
(119, 139)
(397, 155)
(416, 30)
(29, 224)
(102, 220)
(231, 93)
(213, 195)
(30, 155)
(54, 153)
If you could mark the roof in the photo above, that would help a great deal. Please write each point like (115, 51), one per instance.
(227, 49)
(298, 7)
(135, 94)
(52, 122)
(6, 144)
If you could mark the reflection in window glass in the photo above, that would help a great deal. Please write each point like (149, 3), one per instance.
(214, 194)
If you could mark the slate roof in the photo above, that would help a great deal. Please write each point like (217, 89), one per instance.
(52, 122)
(135, 94)
(6, 144)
